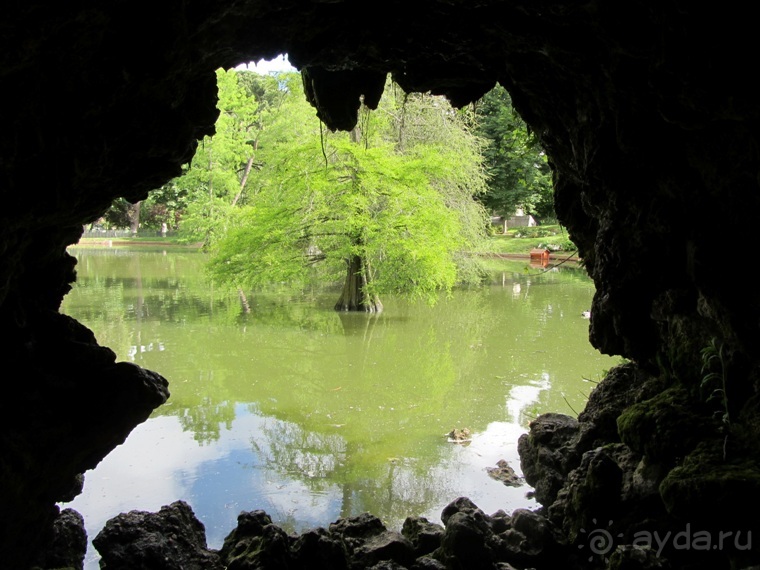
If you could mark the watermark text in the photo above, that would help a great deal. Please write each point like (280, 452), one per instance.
(601, 542)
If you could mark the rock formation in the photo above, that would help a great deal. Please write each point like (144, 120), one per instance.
(649, 113)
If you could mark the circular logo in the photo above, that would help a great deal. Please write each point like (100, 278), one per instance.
(600, 541)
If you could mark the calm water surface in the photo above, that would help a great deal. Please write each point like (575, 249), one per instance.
(279, 403)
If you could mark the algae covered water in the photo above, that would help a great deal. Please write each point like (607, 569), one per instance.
(279, 403)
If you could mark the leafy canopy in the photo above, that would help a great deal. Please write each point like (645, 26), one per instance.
(519, 174)
(218, 177)
(398, 192)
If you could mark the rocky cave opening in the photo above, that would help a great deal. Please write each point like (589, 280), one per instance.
(649, 114)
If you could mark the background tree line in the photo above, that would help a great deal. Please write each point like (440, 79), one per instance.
(394, 206)
(518, 175)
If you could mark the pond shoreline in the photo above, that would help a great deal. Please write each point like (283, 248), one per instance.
(553, 256)
(120, 242)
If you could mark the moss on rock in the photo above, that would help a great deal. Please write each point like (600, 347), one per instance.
(664, 427)
(707, 489)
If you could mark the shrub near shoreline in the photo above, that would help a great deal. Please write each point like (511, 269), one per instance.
(521, 240)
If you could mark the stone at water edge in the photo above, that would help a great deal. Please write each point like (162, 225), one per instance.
(504, 473)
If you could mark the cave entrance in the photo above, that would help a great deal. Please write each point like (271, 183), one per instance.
(306, 444)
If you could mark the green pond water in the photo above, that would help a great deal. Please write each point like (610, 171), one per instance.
(279, 403)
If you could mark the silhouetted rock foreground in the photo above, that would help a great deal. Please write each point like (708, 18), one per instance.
(606, 503)
(173, 539)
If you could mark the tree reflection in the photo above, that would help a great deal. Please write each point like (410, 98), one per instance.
(350, 403)
(315, 458)
(394, 486)
(206, 418)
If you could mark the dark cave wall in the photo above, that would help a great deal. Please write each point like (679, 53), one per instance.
(648, 112)
(89, 114)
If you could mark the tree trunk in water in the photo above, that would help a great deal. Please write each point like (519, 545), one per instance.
(354, 296)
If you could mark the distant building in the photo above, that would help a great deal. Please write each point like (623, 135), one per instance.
(518, 220)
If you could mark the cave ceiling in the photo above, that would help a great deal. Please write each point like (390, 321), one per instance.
(648, 111)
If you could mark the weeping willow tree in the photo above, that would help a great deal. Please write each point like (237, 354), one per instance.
(387, 208)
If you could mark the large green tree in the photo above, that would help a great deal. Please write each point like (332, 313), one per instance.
(519, 175)
(387, 208)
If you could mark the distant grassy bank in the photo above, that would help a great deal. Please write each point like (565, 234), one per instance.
(133, 241)
(523, 240)
(516, 242)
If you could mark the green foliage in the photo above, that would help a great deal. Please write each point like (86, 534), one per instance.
(536, 231)
(164, 206)
(523, 239)
(563, 244)
(215, 180)
(277, 198)
(220, 175)
(397, 193)
(118, 216)
(519, 174)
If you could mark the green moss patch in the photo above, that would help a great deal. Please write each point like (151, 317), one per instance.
(664, 428)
